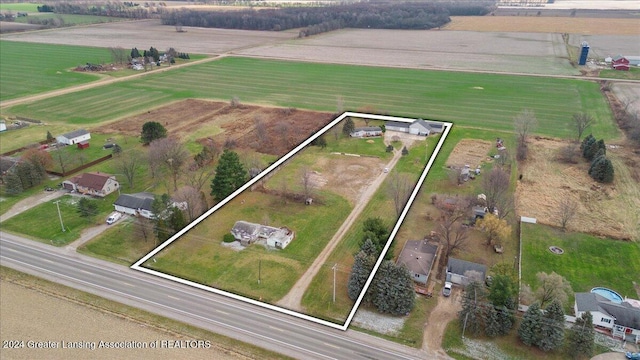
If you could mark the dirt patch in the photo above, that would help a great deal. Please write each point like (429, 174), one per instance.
(531, 24)
(267, 130)
(445, 311)
(470, 152)
(608, 210)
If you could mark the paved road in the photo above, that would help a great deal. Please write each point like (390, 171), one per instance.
(265, 328)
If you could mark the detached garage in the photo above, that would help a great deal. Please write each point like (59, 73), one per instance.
(74, 137)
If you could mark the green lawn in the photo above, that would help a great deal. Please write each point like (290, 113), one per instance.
(588, 261)
(28, 7)
(30, 68)
(436, 95)
(42, 222)
(632, 74)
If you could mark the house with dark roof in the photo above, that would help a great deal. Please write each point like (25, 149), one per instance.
(74, 137)
(621, 318)
(139, 204)
(94, 184)
(248, 233)
(418, 256)
(463, 272)
(417, 127)
(368, 131)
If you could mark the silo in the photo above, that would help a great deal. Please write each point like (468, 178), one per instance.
(584, 51)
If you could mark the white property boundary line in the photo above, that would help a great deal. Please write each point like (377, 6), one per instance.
(138, 264)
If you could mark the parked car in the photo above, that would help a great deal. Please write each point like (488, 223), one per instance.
(115, 216)
(632, 356)
(446, 290)
(49, 189)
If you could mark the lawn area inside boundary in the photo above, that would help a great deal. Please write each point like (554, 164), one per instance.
(587, 262)
(488, 101)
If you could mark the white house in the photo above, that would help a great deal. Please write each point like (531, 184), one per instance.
(95, 184)
(621, 318)
(3, 126)
(74, 137)
(135, 204)
(366, 132)
(417, 127)
(463, 272)
(248, 233)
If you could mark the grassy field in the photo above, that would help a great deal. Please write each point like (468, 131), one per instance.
(27, 68)
(28, 7)
(587, 262)
(41, 222)
(478, 100)
(632, 74)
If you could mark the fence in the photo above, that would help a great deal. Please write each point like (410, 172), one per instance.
(80, 168)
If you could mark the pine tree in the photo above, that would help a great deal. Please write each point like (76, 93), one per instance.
(586, 146)
(360, 271)
(502, 290)
(50, 137)
(506, 319)
(230, 175)
(581, 337)
(405, 151)
(531, 325)
(152, 130)
(87, 208)
(552, 331)
(13, 185)
(492, 322)
(601, 170)
(348, 126)
(393, 291)
(135, 53)
(471, 315)
(587, 140)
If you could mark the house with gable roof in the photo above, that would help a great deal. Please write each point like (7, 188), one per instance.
(248, 233)
(463, 272)
(74, 137)
(621, 318)
(94, 184)
(418, 256)
(417, 127)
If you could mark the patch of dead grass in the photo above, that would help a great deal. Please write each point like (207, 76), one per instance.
(569, 25)
(470, 152)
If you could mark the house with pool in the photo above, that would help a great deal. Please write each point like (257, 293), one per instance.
(611, 313)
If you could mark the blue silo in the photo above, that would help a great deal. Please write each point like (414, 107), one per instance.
(584, 51)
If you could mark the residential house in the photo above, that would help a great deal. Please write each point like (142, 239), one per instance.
(74, 137)
(139, 204)
(463, 272)
(621, 318)
(248, 233)
(418, 256)
(417, 127)
(620, 63)
(95, 184)
(368, 131)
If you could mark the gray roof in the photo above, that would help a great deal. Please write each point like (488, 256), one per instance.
(435, 125)
(136, 201)
(623, 313)
(368, 128)
(75, 133)
(398, 124)
(587, 302)
(418, 256)
(460, 267)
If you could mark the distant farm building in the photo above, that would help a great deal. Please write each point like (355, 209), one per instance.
(369, 131)
(83, 145)
(417, 127)
(74, 137)
(418, 257)
(620, 63)
(248, 233)
(95, 184)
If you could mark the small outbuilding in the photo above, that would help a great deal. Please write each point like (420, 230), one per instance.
(83, 145)
(74, 137)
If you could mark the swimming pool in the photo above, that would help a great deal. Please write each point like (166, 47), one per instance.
(608, 293)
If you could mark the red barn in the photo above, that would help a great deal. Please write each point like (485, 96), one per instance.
(83, 145)
(620, 63)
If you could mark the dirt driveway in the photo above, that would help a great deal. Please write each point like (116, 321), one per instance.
(445, 311)
(31, 201)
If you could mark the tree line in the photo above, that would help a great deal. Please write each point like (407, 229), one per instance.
(109, 8)
(406, 15)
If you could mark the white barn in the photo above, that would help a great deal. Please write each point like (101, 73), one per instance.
(74, 137)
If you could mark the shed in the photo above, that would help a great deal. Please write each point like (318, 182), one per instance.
(74, 137)
(83, 145)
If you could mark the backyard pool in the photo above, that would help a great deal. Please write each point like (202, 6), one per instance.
(608, 293)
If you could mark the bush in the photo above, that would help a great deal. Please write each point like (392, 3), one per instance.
(601, 170)
(228, 238)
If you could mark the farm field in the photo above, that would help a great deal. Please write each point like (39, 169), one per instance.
(601, 46)
(146, 33)
(478, 100)
(587, 261)
(28, 7)
(468, 50)
(32, 68)
(71, 19)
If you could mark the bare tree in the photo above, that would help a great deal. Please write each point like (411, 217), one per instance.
(569, 154)
(525, 123)
(199, 177)
(61, 157)
(283, 129)
(567, 210)
(399, 188)
(118, 55)
(260, 130)
(582, 121)
(453, 235)
(336, 133)
(339, 104)
(552, 287)
(306, 182)
(143, 228)
(495, 186)
(194, 200)
(171, 154)
(128, 165)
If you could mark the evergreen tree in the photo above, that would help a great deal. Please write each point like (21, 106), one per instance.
(135, 53)
(581, 337)
(87, 208)
(13, 185)
(152, 130)
(375, 230)
(167, 218)
(389, 148)
(601, 170)
(531, 325)
(552, 331)
(592, 148)
(393, 289)
(230, 175)
(348, 126)
(362, 265)
(586, 145)
(369, 248)
(471, 315)
(492, 322)
(506, 319)
(502, 290)
(50, 137)
(405, 151)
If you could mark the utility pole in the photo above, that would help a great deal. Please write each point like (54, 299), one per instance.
(335, 267)
(59, 214)
(259, 269)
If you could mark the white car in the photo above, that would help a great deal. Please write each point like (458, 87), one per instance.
(446, 290)
(113, 217)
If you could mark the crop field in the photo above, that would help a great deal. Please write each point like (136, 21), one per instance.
(146, 33)
(470, 50)
(27, 68)
(601, 46)
(468, 99)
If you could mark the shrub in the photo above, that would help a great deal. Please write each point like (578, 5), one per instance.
(228, 238)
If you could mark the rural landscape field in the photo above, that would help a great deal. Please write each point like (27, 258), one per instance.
(508, 82)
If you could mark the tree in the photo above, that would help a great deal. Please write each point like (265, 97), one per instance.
(581, 337)
(61, 158)
(393, 289)
(601, 170)
(581, 122)
(472, 313)
(495, 186)
(118, 55)
(567, 210)
(524, 123)
(552, 287)
(117, 150)
(592, 148)
(87, 208)
(197, 178)
(230, 175)
(362, 265)
(552, 331)
(586, 143)
(167, 218)
(50, 137)
(13, 185)
(492, 322)
(569, 154)
(453, 235)
(531, 325)
(506, 318)
(143, 228)
(502, 291)
(497, 230)
(348, 127)
(135, 53)
(152, 130)
(171, 154)
(306, 182)
(129, 165)
(399, 189)
(375, 230)
(194, 200)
